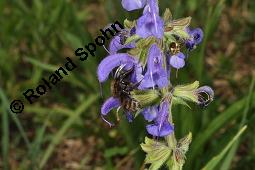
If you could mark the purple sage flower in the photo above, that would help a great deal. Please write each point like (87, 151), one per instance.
(130, 5)
(108, 105)
(196, 37)
(161, 126)
(113, 61)
(150, 24)
(177, 61)
(117, 43)
(197, 34)
(150, 113)
(155, 75)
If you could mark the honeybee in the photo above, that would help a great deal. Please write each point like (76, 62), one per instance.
(121, 88)
(175, 48)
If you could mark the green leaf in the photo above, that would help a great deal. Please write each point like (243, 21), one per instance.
(216, 160)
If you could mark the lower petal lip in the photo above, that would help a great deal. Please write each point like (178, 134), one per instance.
(109, 104)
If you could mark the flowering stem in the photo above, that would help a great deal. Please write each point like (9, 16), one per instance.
(171, 141)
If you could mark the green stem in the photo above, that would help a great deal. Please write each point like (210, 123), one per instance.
(170, 139)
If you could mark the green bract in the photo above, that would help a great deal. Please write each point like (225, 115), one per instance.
(146, 97)
(184, 93)
(157, 153)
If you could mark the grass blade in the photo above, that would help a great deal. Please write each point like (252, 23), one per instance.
(215, 160)
(213, 18)
(14, 117)
(5, 135)
(59, 135)
(227, 161)
(36, 145)
(215, 125)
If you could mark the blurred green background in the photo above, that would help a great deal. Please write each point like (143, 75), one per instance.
(63, 130)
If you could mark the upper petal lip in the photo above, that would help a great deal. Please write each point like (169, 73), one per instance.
(111, 62)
